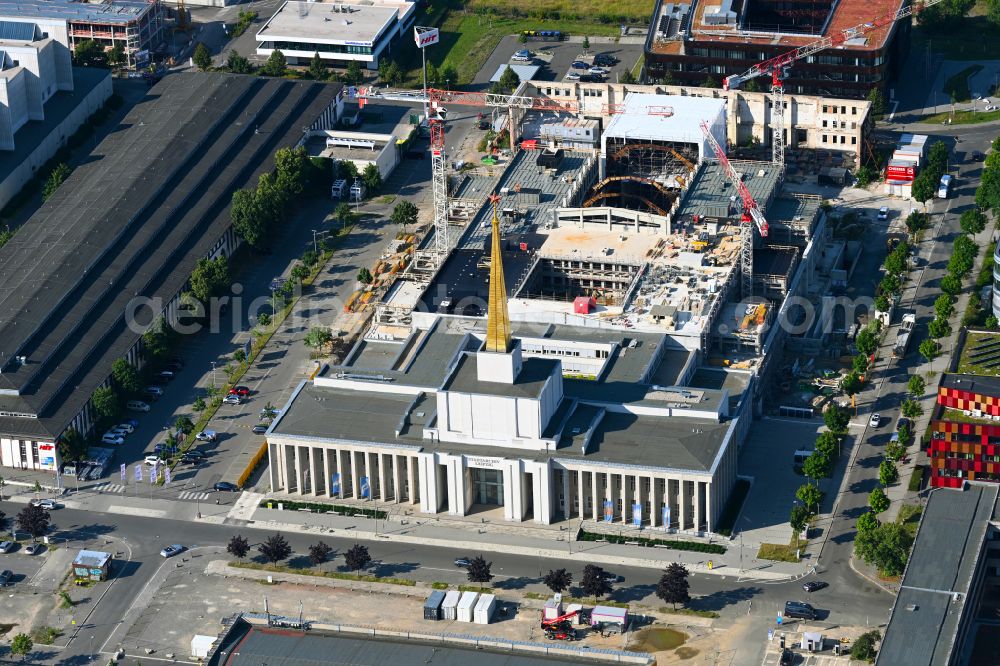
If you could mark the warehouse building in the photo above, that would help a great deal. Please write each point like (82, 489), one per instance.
(135, 25)
(340, 32)
(690, 42)
(111, 242)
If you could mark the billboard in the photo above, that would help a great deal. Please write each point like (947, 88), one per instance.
(426, 36)
(637, 514)
(609, 511)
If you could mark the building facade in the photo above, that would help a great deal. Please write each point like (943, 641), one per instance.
(961, 451)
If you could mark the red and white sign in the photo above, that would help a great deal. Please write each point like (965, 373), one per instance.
(426, 36)
(45, 447)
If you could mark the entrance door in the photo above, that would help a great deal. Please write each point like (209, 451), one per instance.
(487, 486)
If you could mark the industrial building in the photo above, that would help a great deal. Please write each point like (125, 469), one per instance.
(120, 237)
(946, 608)
(135, 25)
(340, 32)
(689, 42)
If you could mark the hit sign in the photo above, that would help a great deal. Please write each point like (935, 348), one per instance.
(425, 36)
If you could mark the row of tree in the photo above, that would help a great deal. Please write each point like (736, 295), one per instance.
(257, 211)
(819, 465)
(926, 183)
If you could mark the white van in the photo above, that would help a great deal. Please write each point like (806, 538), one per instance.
(137, 406)
(944, 187)
(111, 438)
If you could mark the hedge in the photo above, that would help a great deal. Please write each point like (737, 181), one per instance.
(673, 544)
(916, 479)
(314, 507)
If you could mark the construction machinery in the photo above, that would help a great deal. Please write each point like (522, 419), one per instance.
(777, 68)
(560, 628)
(751, 216)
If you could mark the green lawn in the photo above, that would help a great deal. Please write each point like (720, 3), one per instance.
(560, 13)
(909, 517)
(965, 364)
(976, 40)
(957, 87)
(778, 552)
(963, 117)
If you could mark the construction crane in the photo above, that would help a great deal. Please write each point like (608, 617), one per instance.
(777, 68)
(560, 628)
(750, 217)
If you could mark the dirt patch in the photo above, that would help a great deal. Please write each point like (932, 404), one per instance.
(686, 652)
(656, 639)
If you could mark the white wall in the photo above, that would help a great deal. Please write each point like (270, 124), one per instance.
(13, 104)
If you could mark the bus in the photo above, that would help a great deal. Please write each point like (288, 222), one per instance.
(944, 187)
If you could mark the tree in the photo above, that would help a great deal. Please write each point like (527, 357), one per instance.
(626, 77)
(709, 82)
(21, 645)
(209, 278)
(372, 177)
(478, 570)
(751, 86)
(890, 284)
(905, 434)
(249, 217)
(202, 58)
(184, 424)
(916, 385)
(993, 13)
(798, 520)
(867, 341)
(509, 80)
(863, 649)
(586, 42)
(923, 187)
(887, 473)
(895, 451)
(275, 548)
(939, 328)
(878, 501)
(34, 520)
(317, 70)
(353, 76)
(673, 586)
(318, 337)
(276, 64)
(238, 64)
(56, 178)
(558, 580)
(238, 546)
(886, 547)
(72, 445)
(155, 340)
(877, 100)
(836, 419)
(199, 404)
(595, 582)
(988, 192)
(817, 466)
(89, 53)
(896, 263)
(810, 496)
(404, 214)
(105, 402)
(116, 56)
(364, 276)
(911, 409)
(851, 383)
(126, 377)
(929, 349)
(827, 443)
(972, 221)
(433, 74)
(943, 307)
(357, 557)
(343, 212)
(951, 285)
(860, 364)
(865, 175)
(866, 522)
(937, 157)
(299, 273)
(319, 553)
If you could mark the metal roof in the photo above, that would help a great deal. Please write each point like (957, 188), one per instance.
(113, 11)
(17, 31)
(641, 119)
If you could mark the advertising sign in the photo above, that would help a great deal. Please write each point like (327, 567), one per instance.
(335, 484)
(666, 516)
(426, 36)
(123, 472)
(609, 511)
(366, 488)
(637, 514)
(138, 473)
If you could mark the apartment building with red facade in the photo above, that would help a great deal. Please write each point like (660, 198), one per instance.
(965, 441)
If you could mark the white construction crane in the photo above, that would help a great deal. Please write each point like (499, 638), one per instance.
(777, 68)
(750, 217)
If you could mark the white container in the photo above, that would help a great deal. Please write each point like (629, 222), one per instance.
(553, 609)
(449, 607)
(484, 609)
(466, 606)
(609, 615)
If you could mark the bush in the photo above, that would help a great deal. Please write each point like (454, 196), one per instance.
(916, 479)
(315, 507)
(691, 546)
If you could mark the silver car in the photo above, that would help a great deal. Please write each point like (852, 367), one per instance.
(172, 550)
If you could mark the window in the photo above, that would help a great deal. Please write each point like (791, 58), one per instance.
(824, 123)
(843, 109)
(843, 140)
(854, 140)
(824, 138)
(824, 111)
(854, 110)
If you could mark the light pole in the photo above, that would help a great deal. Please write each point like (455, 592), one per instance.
(213, 373)
(92, 655)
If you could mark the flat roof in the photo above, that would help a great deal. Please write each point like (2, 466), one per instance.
(710, 193)
(980, 384)
(109, 11)
(530, 381)
(643, 119)
(524, 72)
(923, 627)
(328, 23)
(112, 231)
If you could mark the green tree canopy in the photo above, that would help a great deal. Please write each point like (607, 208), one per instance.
(202, 58)
(89, 53)
(878, 501)
(939, 328)
(866, 522)
(860, 364)
(851, 384)
(836, 419)
(810, 496)
(817, 466)
(798, 519)
(867, 341)
(276, 64)
(887, 473)
(238, 64)
(827, 444)
(105, 402)
(404, 214)
(887, 547)
(673, 587)
(509, 80)
(126, 377)
(878, 101)
(291, 166)
(317, 70)
(923, 187)
(951, 285)
(318, 336)
(371, 177)
(943, 306)
(916, 386)
(249, 217)
(354, 75)
(209, 278)
(972, 221)
(72, 445)
(988, 192)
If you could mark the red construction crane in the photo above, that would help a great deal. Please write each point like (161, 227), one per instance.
(750, 217)
(777, 67)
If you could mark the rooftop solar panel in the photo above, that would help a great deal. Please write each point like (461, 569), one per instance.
(17, 31)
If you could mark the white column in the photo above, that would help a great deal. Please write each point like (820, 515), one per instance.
(383, 487)
(567, 502)
(697, 506)
(397, 486)
(654, 507)
(286, 468)
(298, 470)
(709, 488)
(681, 493)
(609, 492)
(312, 470)
(412, 487)
(580, 495)
(594, 498)
(427, 471)
(326, 471)
(337, 455)
(355, 475)
(626, 508)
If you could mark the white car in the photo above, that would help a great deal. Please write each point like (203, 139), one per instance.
(121, 432)
(875, 421)
(232, 400)
(599, 71)
(573, 76)
(154, 390)
(110, 438)
(172, 550)
(152, 460)
(137, 406)
(883, 213)
(47, 504)
(127, 427)
(206, 436)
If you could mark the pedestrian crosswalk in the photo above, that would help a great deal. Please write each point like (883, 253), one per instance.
(109, 488)
(193, 495)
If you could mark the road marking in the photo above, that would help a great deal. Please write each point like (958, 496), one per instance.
(190, 494)
(109, 488)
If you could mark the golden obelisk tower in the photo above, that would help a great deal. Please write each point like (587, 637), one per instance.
(498, 319)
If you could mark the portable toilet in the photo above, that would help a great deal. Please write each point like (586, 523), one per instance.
(449, 607)
(432, 607)
(466, 606)
(484, 609)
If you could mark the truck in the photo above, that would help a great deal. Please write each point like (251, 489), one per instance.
(904, 334)
(560, 628)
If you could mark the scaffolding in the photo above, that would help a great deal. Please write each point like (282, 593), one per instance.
(657, 161)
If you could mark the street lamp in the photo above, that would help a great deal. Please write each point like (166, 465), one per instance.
(213, 373)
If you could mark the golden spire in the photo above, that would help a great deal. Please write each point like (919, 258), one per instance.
(498, 320)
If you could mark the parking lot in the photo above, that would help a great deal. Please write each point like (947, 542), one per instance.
(555, 58)
(23, 566)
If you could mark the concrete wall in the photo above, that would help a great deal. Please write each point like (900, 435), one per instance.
(13, 105)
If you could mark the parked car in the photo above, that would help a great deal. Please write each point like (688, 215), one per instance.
(883, 213)
(121, 432)
(166, 375)
(573, 76)
(151, 460)
(977, 156)
(613, 577)
(232, 399)
(239, 390)
(875, 420)
(137, 406)
(787, 658)
(6, 546)
(33, 549)
(814, 585)
(154, 390)
(206, 436)
(524, 55)
(599, 71)
(111, 438)
(225, 486)
(6, 577)
(579, 64)
(165, 449)
(47, 504)
(259, 429)
(605, 60)
(591, 78)
(800, 610)
(172, 550)
(195, 453)
(126, 426)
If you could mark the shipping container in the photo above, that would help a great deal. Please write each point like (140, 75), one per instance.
(484, 609)
(908, 153)
(609, 615)
(449, 607)
(553, 608)
(432, 607)
(466, 606)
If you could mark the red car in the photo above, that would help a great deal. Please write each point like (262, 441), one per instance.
(239, 390)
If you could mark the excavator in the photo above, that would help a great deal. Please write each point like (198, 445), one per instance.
(560, 628)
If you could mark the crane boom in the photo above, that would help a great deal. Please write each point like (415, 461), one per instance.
(830, 41)
(751, 211)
